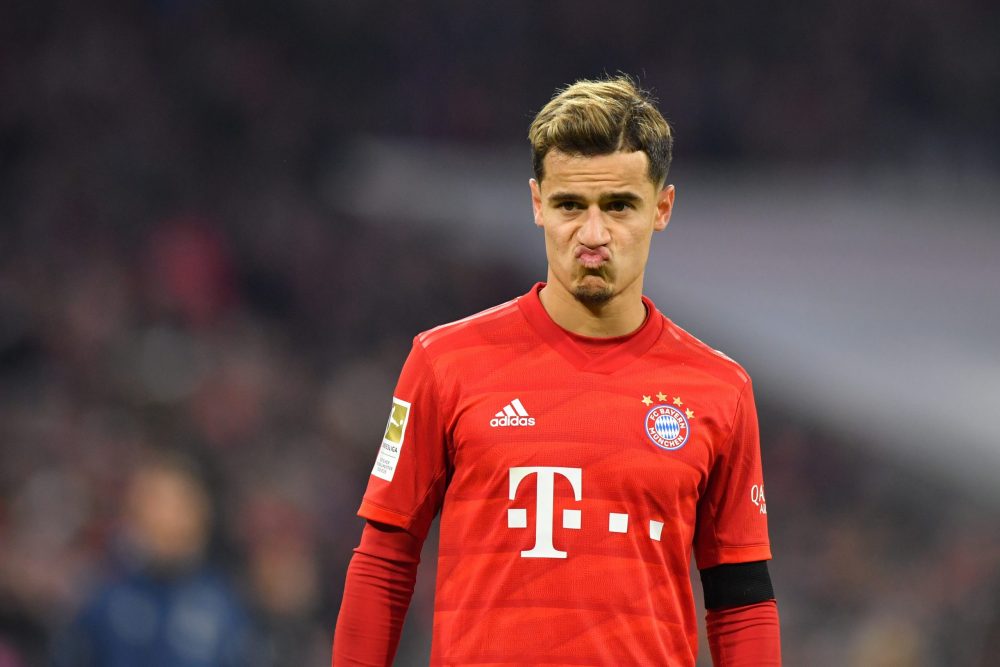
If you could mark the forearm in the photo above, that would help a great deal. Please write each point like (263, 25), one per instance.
(745, 636)
(742, 619)
(377, 593)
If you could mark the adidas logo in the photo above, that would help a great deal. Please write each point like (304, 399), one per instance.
(513, 414)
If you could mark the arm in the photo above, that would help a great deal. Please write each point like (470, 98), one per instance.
(742, 618)
(404, 493)
(377, 594)
(732, 549)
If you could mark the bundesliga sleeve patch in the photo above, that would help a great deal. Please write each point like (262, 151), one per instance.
(392, 441)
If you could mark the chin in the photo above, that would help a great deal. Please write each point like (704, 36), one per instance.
(593, 292)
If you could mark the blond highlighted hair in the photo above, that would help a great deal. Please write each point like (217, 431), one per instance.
(599, 117)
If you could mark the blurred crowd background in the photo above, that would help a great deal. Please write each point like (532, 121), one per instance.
(199, 335)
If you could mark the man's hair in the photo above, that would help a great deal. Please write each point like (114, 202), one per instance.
(601, 117)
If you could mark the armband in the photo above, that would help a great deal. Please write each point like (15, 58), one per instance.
(736, 584)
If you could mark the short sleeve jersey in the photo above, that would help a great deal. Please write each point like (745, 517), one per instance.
(574, 477)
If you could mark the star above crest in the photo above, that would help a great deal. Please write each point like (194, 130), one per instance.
(647, 400)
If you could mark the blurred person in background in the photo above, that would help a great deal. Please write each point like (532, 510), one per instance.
(285, 582)
(578, 444)
(168, 607)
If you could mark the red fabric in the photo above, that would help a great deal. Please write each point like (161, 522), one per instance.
(574, 479)
(745, 636)
(377, 594)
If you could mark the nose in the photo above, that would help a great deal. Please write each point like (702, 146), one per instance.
(593, 232)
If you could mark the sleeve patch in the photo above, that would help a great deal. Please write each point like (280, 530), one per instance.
(392, 441)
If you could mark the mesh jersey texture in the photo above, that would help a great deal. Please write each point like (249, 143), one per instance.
(568, 527)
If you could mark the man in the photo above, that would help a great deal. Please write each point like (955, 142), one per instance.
(167, 607)
(578, 443)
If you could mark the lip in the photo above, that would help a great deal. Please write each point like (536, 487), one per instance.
(592, 257)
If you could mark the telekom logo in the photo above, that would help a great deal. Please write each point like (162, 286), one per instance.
(545, 484)
(544, 495)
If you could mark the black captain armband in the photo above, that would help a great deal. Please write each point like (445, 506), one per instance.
(736, 584)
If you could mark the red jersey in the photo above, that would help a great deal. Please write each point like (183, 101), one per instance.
(574, 477)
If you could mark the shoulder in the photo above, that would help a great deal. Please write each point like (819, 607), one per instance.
(487, 327)
(701, 356)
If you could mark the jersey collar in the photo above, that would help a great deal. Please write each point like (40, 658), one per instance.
(586, 353)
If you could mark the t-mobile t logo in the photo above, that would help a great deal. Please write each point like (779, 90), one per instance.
(545, 495)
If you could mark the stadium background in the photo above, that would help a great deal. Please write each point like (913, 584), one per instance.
(221, 223)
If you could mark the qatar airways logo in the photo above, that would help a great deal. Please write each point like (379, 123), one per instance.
(757, 497)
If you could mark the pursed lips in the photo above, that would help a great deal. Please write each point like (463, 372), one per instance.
(592, 258)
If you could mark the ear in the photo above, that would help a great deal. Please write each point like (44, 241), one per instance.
(536, 200)
(664, 206)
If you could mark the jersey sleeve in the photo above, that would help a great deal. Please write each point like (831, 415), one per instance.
(408, 479)
(732, 513)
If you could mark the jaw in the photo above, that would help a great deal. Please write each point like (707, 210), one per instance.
(593, 289)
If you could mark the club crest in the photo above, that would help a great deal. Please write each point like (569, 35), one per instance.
(667, 427)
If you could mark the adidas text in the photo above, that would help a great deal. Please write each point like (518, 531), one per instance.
(513, 414)
(512, 421)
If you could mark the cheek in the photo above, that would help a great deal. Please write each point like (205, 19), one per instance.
(557, 234)
(558, 249)
(639, 247)
(555, 249)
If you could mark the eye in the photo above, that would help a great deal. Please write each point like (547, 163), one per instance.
(619, 205)
(568, 205)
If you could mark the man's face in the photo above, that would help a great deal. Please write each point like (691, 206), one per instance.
(598, 214)
(169, 515)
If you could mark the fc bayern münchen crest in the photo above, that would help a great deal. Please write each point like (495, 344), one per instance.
(667, 427)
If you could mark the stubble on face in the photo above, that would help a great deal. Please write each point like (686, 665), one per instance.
(604, 180)
(593, 292)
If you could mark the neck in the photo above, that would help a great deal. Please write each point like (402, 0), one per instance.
(619, 316)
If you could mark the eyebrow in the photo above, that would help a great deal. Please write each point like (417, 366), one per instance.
(557, 197)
